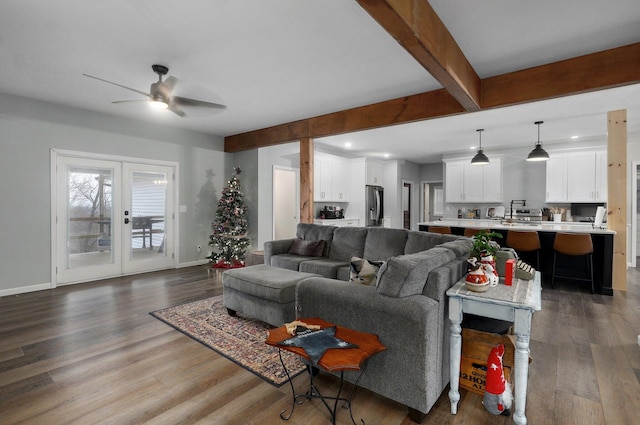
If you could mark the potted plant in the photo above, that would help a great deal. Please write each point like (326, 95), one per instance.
(484, 246)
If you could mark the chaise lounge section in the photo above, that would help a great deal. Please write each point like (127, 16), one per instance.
(406, 307)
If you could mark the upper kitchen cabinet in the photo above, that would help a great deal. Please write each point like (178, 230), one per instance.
(473, 183)
(374, 172)
(577, 177)
(330, 178)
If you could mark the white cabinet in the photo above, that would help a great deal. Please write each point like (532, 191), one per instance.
(602, 169)
(339, 222)
(330, 178)
(473, 183)
(556, 175)
(374, 172)
(577, 177)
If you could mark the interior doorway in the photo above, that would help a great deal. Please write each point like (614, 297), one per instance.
(407, 204)
(432, 201)
(111, 218)
(635, 216)
(285, 202)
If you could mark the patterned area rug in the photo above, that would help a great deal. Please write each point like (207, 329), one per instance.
(238, 339)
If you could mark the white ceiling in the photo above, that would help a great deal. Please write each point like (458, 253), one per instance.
(276, 61)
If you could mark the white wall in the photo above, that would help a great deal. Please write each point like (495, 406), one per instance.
(30, 129)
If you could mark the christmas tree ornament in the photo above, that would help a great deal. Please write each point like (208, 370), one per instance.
(497, 391)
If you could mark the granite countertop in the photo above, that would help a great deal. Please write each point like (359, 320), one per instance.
(544, 226)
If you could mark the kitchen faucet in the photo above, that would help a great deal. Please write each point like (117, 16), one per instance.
(522, 202)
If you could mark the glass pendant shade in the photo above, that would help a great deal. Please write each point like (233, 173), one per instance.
(538, 154)
(480, 158)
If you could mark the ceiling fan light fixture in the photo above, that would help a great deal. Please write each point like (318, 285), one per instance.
(158, 102)
(538, 153)
(480, 158)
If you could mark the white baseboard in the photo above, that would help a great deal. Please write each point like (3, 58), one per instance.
(24, 289)
(192, 263)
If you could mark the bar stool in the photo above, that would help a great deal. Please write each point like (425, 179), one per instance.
(472, 232)
(574, 244)
(445, 230)
(525, 241)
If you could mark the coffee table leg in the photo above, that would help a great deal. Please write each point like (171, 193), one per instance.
(455, 315)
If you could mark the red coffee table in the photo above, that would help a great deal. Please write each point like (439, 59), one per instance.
(333, 360)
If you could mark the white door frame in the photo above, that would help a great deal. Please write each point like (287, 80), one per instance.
(633, 219)
(55, 153)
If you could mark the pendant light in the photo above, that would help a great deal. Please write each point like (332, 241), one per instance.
(480, 158)
(538, 154)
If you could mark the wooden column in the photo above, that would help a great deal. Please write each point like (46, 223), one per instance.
(306, 180)
(617, 193)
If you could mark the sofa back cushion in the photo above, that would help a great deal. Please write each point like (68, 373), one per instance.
(307, 248)
(418, 241)
(316, 232)
(383, 243)
(348, 242)
(461, 246)
(407, 275)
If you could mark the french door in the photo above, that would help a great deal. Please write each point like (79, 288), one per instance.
(112, 218)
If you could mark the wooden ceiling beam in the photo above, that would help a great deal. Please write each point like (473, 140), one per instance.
(596, 71)
(434, 104)
(418, 29)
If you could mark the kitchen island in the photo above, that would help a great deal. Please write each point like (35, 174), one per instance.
(601, 237)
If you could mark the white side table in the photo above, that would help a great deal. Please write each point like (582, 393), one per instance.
(515, 303)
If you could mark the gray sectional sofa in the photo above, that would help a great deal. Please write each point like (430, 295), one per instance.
(407, 308)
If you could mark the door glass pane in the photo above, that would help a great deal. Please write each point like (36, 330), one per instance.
(148, 209)
(89, 203)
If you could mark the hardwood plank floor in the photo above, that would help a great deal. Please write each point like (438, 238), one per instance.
(92, 354)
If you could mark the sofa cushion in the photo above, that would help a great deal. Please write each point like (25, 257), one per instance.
(407, 275)
(289, 261)
(307, 248)
(461, 246)
(316, 232)
(325, 267)
(418, 241)
(264, 282)
(364, 271)
(382, 243)
(348, 242)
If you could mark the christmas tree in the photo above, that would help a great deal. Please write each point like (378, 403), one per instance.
(229, 230)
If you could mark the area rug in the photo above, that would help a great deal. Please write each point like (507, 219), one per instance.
(239, 339)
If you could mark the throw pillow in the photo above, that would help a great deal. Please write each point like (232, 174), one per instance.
(307, 248)
(364, 271)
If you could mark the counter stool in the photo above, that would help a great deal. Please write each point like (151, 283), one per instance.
(525, 241)
(574, 244)
(472, 232)
(445, 230)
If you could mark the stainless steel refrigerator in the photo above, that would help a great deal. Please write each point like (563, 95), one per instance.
(374, 202)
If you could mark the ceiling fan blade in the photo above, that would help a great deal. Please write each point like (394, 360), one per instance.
(173, 108)
(185, 101)
(131, 101)
(116, 84)
(170, 82)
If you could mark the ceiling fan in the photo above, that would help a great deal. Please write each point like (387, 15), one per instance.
(161, 96)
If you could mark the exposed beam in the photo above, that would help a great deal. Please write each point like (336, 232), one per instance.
(602, 70)
(306, 180)
(418, 29)
(597, 71)
(418, 107)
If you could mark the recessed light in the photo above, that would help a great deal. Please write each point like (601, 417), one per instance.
(347, 144)
(386, 155)
(472, 148)
(575, 137)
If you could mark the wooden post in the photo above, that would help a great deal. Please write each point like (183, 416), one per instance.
(617, 193)
(306, 180)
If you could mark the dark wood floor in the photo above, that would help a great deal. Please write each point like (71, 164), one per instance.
(92, 354)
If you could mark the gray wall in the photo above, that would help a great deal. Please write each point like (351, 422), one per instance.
(30, 129)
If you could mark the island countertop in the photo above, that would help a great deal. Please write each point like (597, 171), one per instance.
(544, 226)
